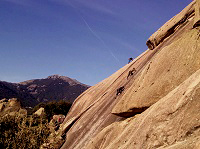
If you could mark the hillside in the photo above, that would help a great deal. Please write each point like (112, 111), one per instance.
(32, 92)
(159, 106)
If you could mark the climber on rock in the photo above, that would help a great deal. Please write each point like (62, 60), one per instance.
(120, 90)
(131, 72)
(130, 60)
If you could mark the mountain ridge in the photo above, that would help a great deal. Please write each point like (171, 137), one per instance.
(54, 87)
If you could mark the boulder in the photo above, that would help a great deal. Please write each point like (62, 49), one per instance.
(40, 112)
(165, 71)
(171, 123)
(2, 106)
(171, 26)
(197, 14)
(3, 100)
(11, 107)
(13, 102)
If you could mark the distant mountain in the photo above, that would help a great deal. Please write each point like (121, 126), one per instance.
(32, 92)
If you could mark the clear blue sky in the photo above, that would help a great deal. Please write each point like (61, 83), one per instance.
(87, 40)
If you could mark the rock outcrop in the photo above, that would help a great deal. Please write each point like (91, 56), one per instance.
(40, 112)
(166, 70)
(159, 104)
(171, 26)
(11, 107)
(172, 122)
(197, 14)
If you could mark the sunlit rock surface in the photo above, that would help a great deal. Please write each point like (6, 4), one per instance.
(159, 106)
(11, 107)
(173, 121)
(40, 112)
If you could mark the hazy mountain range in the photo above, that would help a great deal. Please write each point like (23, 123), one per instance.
(31, 92)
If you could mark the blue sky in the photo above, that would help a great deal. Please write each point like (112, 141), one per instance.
(87, 40)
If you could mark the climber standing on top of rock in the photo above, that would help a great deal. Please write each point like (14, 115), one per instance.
(130, 60)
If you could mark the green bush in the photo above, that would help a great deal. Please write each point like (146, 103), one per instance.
(53, 108)
(18, 132)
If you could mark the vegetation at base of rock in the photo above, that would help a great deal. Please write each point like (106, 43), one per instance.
(53, 108)
(23, 132)
(29, 131)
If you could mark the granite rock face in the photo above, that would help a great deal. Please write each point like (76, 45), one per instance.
(197, 14)
(173, 121)
(170, 27)
(170, 66)
(159, 106)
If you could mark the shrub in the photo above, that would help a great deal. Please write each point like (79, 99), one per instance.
(53, 108)
(21, 132)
